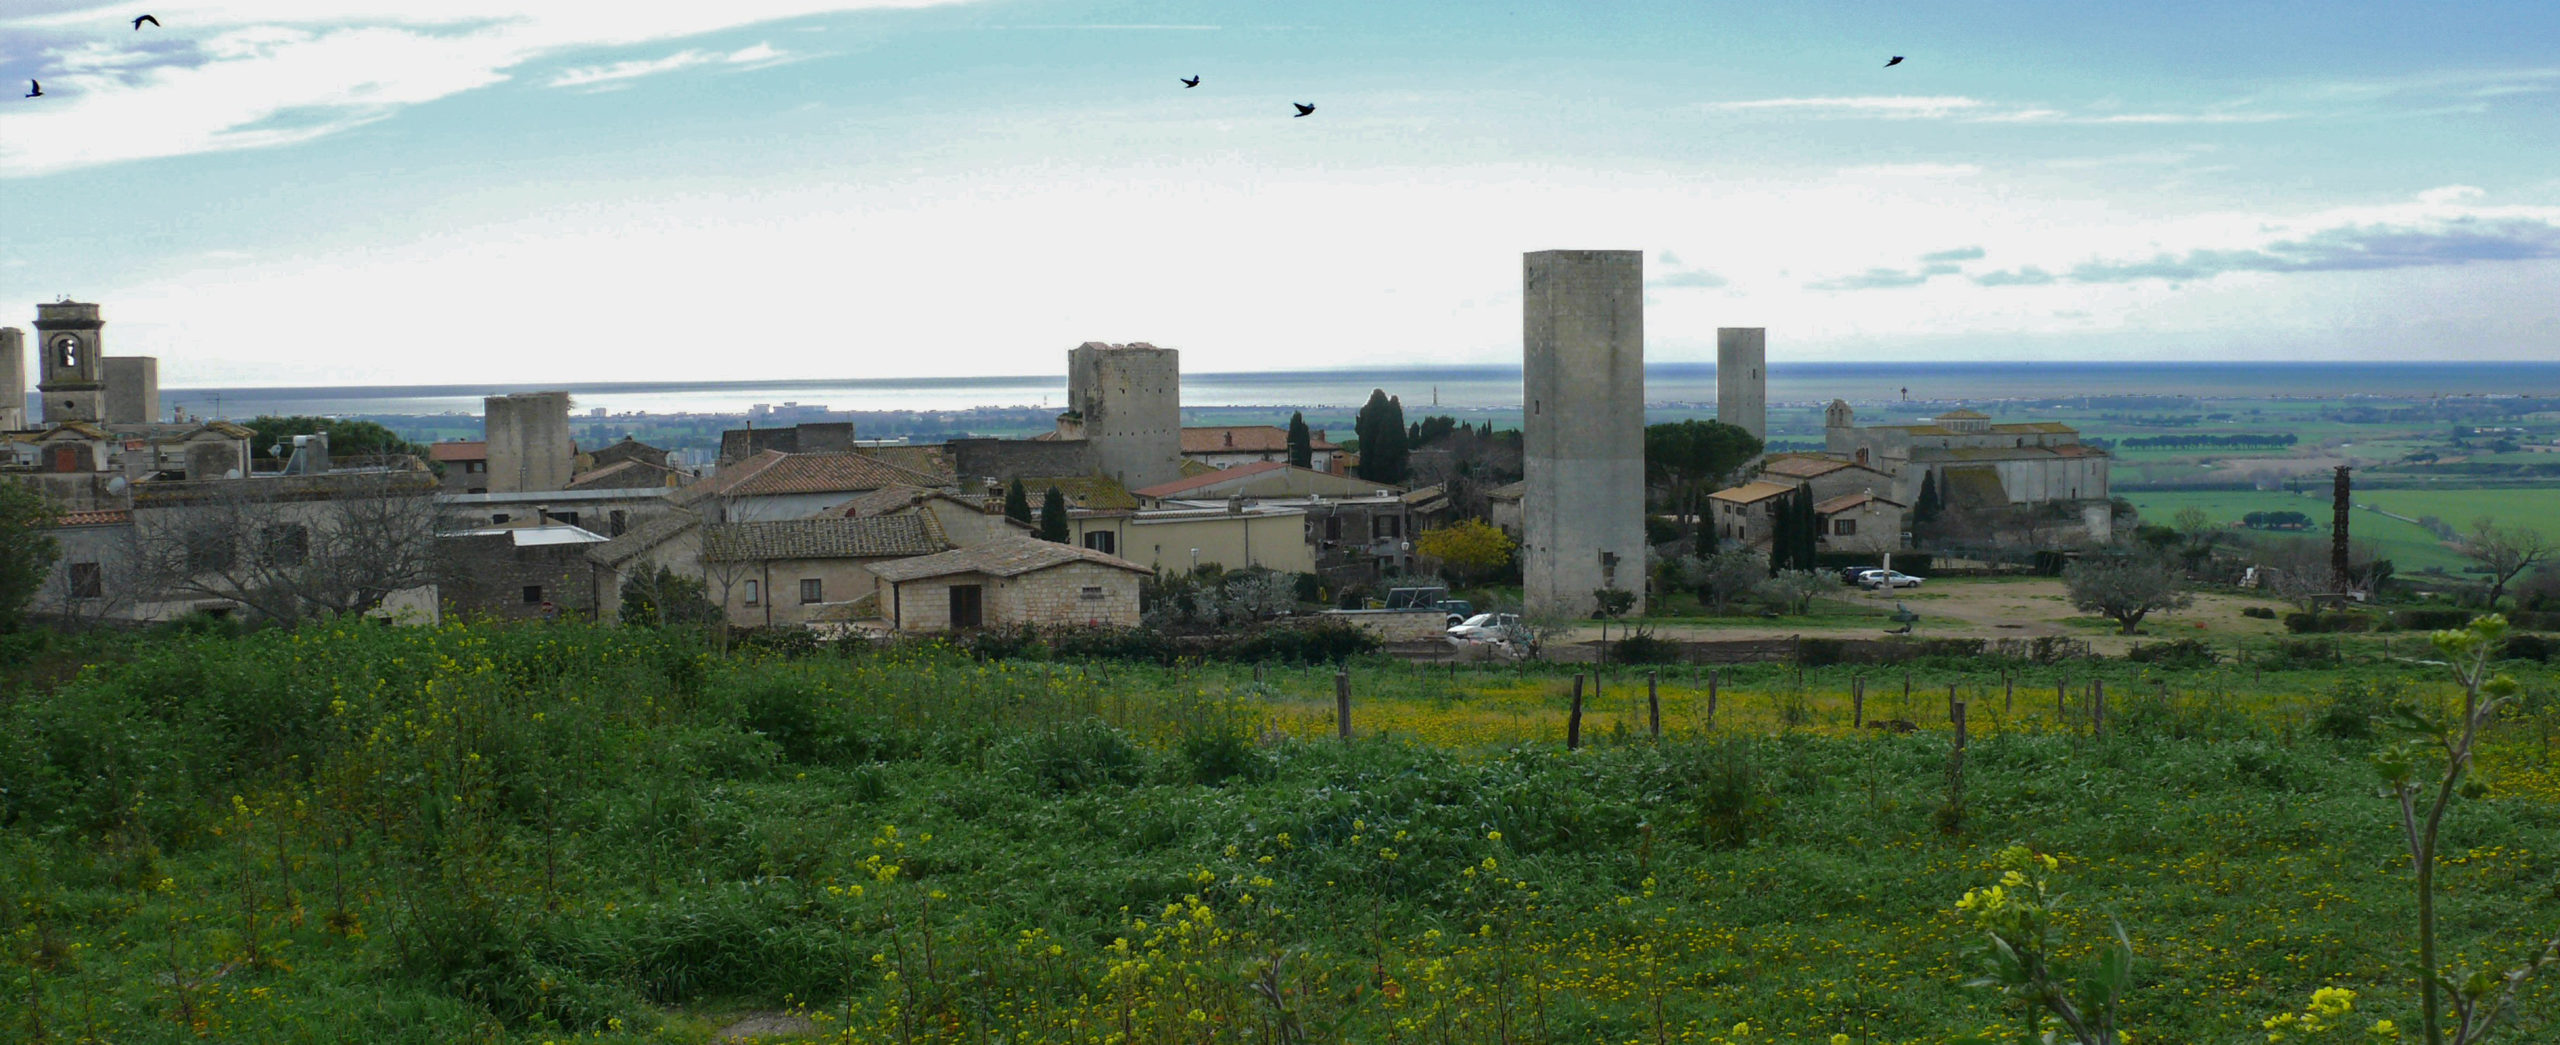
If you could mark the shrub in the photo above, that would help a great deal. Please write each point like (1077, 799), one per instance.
(2352, 706)
(1644, 647)
(2259, 612)
(2296, 653)
(2430, 620)
(1734, 803)
(2177, 653)
(2326, 623)
(1082, 756)
(2530, 647)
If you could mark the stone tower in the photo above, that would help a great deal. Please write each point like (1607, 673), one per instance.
(71, 380)
(133, 389)
(529, 446)
(1126, 400)
(13, 379)
(1582, 372)
(1742, 379)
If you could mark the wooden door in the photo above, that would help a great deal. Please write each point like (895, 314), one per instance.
(968, 606)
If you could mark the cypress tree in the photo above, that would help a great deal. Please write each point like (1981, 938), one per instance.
(1302, 443)
(1053, 516)
(1932, 501)
(1017, 504)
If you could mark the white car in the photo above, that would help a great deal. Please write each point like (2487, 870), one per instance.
(1484, 627)
(1878, 580)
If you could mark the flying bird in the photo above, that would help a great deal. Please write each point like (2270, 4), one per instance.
(1192, 82)
(1303, 109)
(1897, 60)
(34, 89)
(137, 23)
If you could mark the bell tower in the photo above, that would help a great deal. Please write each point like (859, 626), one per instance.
(72, 383)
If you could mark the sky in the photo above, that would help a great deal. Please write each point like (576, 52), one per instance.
(287, 192)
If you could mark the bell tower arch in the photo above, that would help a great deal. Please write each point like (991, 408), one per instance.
(69, 344)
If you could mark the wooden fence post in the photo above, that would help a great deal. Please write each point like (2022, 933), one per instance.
(1342, 703)
(1955, 713)
(2060, 708)
(1952, 702)
(1857, 702)
(1715, 679)
(1573, 721)
(2098, 707)
(1653, 702)
(2008, 692)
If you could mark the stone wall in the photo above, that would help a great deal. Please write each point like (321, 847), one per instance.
(529, 443)
(13, 379)
(1010, 459)
(1429, 625)
(1075, 593)
(487, 574)
(1130, 401)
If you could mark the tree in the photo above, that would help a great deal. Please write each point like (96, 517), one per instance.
(1793, 591)
(27, 552)
(664, 597)
(1017, 503)
(347, 437)
(2339, 503)
(1793, 541)
(1721, 578)
(1302, 442)
(1688, 460)
(322, 546)
(1931, 503)
(1469, 547)
(1053, 516)
(1380, 426)
(2124, 590)
(2503, 552)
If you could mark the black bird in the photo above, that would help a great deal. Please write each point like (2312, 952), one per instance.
(1303, 109)
(34, 89)
(137, 23)
(1192, 82)
(1897, 60)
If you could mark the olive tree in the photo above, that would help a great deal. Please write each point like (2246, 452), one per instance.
(2124, 590)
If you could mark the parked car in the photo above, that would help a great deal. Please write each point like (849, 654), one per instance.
(1878, 580)
(1458, 610)
(1484, 627)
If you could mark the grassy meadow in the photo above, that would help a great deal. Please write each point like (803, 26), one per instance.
(535, 834)
(2409, 547)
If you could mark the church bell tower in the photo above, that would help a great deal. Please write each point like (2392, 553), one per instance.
(73, 386)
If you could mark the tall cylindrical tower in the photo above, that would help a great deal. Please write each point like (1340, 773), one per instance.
(1742, 379)
(1582, 371)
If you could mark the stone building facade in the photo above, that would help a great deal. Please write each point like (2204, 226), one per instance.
(1126, 401)
(800, 571)
(1021, 580)
(516, 573)
(528, 441)
(2034, 463)
(1742, 379)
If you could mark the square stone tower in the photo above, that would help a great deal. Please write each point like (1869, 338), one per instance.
(1582, 371)
(1742, 378)
(1126, 400)
(13, 379)
(70, 338)
(529, 444)
(133, 389)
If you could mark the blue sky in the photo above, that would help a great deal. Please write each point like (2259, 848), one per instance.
(363, 191)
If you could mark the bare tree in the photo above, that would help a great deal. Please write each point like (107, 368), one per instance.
(288, 547)
(2504, 552)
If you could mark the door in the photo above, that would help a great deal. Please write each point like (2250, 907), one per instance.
(967, 606)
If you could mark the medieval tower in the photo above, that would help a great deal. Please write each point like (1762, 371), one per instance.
(1582, 372)
(529, 445)
(13, 379)
(1126, 401)
(1742, 379)
(72, 382)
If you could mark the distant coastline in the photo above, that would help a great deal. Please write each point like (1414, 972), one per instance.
(1454, 387)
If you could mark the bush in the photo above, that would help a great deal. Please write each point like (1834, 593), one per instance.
(2327, 623)
(2535, 620)
(2177, 653)
(2353, 705)
(2294, 653)
(1734, 803)
(2259, 612)
(2530, 647)
(1082, 756)
(1644, 647)
(2430, 620)
(1662, 530)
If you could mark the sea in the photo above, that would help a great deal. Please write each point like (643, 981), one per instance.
(1458, 388)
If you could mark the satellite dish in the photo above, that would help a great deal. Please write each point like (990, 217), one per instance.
(117, 484)
(276, 450)
(233, 473)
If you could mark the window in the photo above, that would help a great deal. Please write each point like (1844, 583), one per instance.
(752, 593)
(85, 581)
(1091, 592)
(1104, 541)
(1333, 527)
(617, 522)
(498, 518)
(1383, 526)
(288, 544)
(474, 467)
(812, 590)
(532, 594)
(208, 550)
(1844, 527)
(566, 517)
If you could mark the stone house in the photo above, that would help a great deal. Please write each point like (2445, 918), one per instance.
(1180, 536)
(673, 541)
(611, 512)
(629, 464)
(1747, 514)
(772, 485)
(779, 572)
(2030, 463)
(1018, 580)
(1828, 477)
(1226, 446)
(1859, 522)
(466, 464)
(516, 572)
(1504, 510)
(963, 521)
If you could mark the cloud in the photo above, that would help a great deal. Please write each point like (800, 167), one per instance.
(1691, 278)
(2443, 228)
(620, 72)
(1885, 278)
(1669, 258)
(1958, 254)
(1890, 107)
(245, 74)
(2019, 277)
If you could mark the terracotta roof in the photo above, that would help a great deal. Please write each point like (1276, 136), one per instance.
(883, 500)
(115, 517)
(826, 537)
(1002, 557)
(1751, 492)
(1180, 486)
(1808, 467)
(473, 450)
(1188, 468)
(1244, 439)
(641, 538)
(627, 474)
(772, 472)
(1846, 501)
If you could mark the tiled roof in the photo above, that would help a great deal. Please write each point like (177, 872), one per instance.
(881, 501)
(825, 537)
(1751, 492)
(1846, 501)
(1808, 467)
(115, 517)
(641, 538)
(626, 474)
(1964, 415)
(83, 428)
(1243, 439)
(2004, 453)
(1002, 557)
(2035, 428)
(235, 431)
(1510, 491)
(927, 458)
(1178, 487)
(474, 450)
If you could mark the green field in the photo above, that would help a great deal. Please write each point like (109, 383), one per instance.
(543, 833)
(2537, 507)
(2409, 547)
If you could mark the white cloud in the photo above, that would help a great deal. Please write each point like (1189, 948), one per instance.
(235, 74)
(1892, 107)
